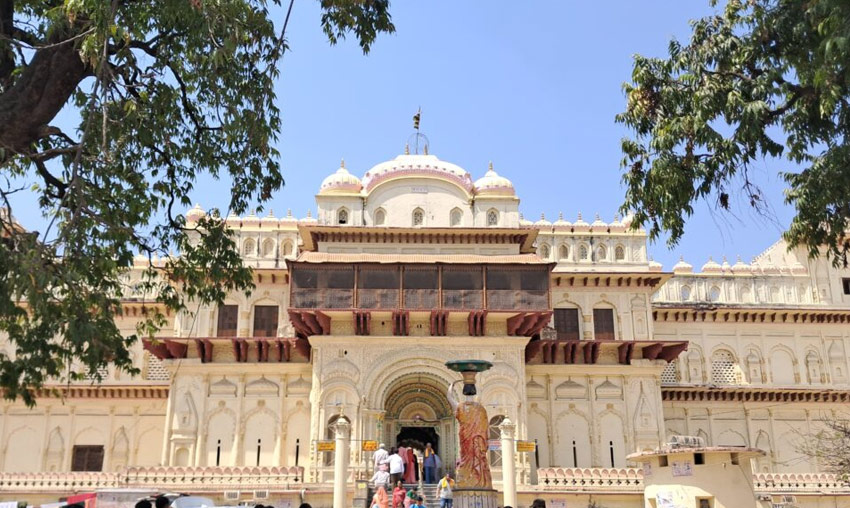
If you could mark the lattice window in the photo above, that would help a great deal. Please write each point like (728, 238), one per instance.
(619, 253)
(103, 373)
(563, 252)
(249, 247)
(495, 434)
(492, 218)
(686, 293)
(602, 253)
(342, 217)
(582, 252)
(714, 294)
(154, 369)
(544, 251)
(418, 217)
(724, 370)
(670, 375)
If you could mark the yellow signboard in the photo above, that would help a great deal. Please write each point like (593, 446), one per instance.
(525, 446)
(325, 446)
(370, 446)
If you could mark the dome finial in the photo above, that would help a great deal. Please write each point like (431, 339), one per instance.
(342, 163)
(490, 166)
(561, 216)
(407, 149)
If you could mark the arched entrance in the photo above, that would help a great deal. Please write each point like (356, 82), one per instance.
(417, 412)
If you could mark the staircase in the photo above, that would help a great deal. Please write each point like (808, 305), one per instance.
(429, 493)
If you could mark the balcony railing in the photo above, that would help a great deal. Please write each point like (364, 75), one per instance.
(421, 299)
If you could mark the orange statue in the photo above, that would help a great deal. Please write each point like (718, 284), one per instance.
(473, 470)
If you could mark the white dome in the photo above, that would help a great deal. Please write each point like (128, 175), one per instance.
(580, 224)
(309, 218)
(417, 165)
(251, 219)
(683, 266)
(341, 182)
(711, 266)
(598, 223)
(655, 266)
(289, 217)
(561, 223)
(523, 221)
(741, 267)
(542, 221)
(195, 214)
(491, 184)
(725, 266)
(269, 220)
(617, 225)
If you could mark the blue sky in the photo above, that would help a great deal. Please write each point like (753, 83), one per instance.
(532, 86)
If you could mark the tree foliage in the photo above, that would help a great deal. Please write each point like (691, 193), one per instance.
(162, 91)
(760, 80)
(829, 447)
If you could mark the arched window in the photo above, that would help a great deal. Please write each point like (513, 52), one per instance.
(492, 218)
(495, 434)
(582, 252)
(563, 252)
(544, 251)
(601, 253)
(380, 217)
(813, 367)
(456, 217)
(685, 293)
(249, 248)
(619, 253)
(775, 295)
(342, 216)
(724, 370)
(268, 248)
(714, 294)
(418, 217)
(287, 248)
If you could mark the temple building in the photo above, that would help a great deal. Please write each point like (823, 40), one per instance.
(598, 353)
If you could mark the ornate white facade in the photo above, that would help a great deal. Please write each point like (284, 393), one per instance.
(598, 352)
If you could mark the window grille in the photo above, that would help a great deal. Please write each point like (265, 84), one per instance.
(563, 252)
(342, 217)
(582, 252)
(544, 251)
(723, 369)
(492, 218)
(154, 369)
(619, 253)
(495, 434)
(670, 374)
(87, 458)
(418, 217)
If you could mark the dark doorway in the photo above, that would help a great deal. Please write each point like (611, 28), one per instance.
(416, 437)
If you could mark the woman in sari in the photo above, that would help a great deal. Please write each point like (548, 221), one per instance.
(409, 466)
(381, 499)
(398, 495)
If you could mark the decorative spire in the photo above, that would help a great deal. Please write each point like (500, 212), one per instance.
(309, 214)
(271, 213)
(490, 166)
(407, 149)
(342, 163)
(289, 212)
(542, 216)
(560, 216)
(579, 216)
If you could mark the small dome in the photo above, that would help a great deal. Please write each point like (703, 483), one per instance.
(269, 220)
(523, 221)
(768, 267)
(617, 225)
(341, 182)
(491, 184)
(725, 266)
(580, 224)
(289, 217)
(655, 266)
(683, 266)
(251, 220)
(598, 223)
(309, 218)
(195, 214)
(234, 220)
(711, 266)
(741, 267)
(561, 223)
(628, 219)
(542, 221)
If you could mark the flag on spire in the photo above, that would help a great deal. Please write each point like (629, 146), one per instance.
(416, 119)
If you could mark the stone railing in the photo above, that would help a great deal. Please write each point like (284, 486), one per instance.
(185, 479)
(799, 483)
(595, 479)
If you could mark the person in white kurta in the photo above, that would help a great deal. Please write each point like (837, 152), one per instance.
(381, 456)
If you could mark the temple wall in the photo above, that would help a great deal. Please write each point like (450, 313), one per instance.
(581, 415)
